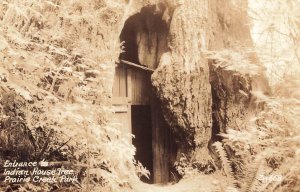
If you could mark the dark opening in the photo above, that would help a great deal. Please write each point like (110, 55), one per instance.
(128, 36)
(148, 21)
(142, 129)
(216, 104)
(215, 117)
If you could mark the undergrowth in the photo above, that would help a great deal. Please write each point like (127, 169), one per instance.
(56, 61)
(266, 147)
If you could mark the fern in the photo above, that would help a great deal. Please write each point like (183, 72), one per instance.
(251, 182)
(235, 61)
(225, 161)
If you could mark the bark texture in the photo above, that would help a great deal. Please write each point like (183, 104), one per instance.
(182, 77)
(194, 93)
(231, 91)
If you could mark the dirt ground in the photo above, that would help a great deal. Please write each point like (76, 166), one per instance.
(201, 183)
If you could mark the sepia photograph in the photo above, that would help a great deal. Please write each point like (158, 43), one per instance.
(150, 95)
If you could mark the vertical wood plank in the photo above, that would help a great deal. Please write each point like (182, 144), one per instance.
(122, 114)
(116, 86)
(134, 88)
(141, 87)
(123, 80)
(129, 122)
(138, 87)
(160, 143)
(129, 85)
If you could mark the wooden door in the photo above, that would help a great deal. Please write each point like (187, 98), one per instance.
(132, 90)
(121, 100)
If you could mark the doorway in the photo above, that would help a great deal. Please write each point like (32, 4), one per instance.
(142, 130)
(144, 38)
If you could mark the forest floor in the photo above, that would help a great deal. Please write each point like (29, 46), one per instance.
(201, 183)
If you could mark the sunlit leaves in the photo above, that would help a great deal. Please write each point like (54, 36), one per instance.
(235, 61)
(276, 34)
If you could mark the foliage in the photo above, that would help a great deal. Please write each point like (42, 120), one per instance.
(56, 63)
(276, 36)
(273, 137)
(263, 149)
(238, 61)
(224, 160)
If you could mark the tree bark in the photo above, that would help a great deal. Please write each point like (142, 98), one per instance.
(182, 77)
(199, 99)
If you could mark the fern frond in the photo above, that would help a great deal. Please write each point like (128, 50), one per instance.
(251, 182)
(225, 161)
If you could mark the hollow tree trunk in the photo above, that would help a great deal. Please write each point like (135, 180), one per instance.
(195, 94)
(182, 77)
